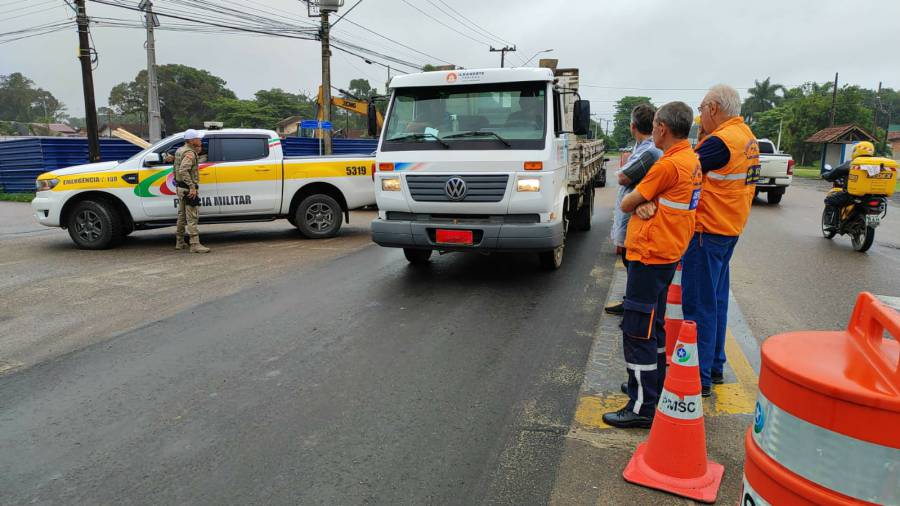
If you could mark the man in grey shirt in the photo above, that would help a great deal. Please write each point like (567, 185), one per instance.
(643, 156)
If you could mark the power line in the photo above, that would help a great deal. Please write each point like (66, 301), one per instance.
(399, 43)
(476, 25)
(436, 20)
(461, 23)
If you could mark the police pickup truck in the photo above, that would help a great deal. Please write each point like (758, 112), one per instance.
(246, 177)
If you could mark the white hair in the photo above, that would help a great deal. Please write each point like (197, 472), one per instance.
(727, 98)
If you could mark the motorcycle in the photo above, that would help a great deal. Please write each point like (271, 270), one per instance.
(858, 218)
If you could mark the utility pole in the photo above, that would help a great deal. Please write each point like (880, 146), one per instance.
(875, 111)
(503, 50)
(87, 81)
(387, 84)
(834, 97)
(326, 82)
(154, 119)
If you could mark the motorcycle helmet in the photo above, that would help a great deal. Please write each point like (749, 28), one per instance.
(864, 148)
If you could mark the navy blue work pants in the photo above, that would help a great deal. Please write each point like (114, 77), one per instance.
(644, 333)
(705, 284)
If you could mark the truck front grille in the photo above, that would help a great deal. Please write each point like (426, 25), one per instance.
(480, 188)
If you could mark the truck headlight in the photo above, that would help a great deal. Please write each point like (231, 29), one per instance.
(45, 184)
(390, 184)
(528, 184)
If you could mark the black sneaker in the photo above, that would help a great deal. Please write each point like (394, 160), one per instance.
(626, 419)
(624, 387)
(718, 378)
(616, 309)
(706, 390)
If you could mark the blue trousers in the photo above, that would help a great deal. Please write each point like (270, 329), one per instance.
(644, 333)
(705, 284)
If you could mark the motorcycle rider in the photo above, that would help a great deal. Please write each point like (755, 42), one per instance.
(837, 199)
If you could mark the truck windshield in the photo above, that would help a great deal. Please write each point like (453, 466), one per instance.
(510, 116)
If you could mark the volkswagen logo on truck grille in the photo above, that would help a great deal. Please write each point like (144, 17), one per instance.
(455, 188)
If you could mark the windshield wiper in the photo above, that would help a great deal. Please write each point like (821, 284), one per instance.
(406, 137)
(479, 133)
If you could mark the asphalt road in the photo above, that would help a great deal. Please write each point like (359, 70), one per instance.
(787, 277)
(356, 379)
(361, 381)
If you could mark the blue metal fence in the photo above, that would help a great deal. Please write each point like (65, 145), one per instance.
(23, 159)
(307, 146)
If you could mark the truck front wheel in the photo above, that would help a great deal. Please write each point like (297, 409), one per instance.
(94, 224)
(318, 217)
(552, 260)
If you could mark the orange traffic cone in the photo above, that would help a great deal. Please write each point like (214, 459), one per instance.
(674, 314)
(673, 458)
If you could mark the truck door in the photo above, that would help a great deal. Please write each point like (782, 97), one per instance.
(248, 174)
(156, 184)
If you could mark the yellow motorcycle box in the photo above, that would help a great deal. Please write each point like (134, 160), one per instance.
(860, 183)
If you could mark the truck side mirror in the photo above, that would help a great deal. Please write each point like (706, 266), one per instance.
(581, 117)
(372, 119)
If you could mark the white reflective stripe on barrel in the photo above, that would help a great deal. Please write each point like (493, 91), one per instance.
(726, 177)
(677, 279)
(750, 497)
(674, 312)
(855, 468)
(688, 408)
(675, 205)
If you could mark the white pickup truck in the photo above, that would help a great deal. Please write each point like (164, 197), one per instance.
(483, 161)
(246, 178)
(776, 171)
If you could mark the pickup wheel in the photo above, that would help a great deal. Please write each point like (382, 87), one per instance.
(417, 256)
(95, 224)
(318, 217)
(774, 196)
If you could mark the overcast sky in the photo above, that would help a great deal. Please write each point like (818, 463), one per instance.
(662, 44)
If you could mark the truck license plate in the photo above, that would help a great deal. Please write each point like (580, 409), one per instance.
(454, 237)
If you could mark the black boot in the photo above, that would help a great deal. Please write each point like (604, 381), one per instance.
(626, 419)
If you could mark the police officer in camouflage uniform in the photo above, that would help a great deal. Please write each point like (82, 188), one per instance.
(187, 181)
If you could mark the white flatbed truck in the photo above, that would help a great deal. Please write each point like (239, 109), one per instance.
(489, 160)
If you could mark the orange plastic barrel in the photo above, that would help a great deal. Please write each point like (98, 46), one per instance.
(827, 424)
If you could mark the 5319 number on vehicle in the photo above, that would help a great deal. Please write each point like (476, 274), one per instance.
(357, 171)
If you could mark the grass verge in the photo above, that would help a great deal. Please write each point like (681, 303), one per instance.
(16, 197)
(807, 172)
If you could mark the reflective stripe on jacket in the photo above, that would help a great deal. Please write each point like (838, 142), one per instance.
(728, 192)
(664, 238)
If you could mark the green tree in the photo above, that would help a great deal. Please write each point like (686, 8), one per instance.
(621, 135)
(21, 101)
(187, 95)
(761, 97)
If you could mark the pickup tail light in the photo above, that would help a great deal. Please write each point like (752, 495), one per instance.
(790, 170)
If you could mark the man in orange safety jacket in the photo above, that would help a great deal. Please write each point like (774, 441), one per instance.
(658, 233)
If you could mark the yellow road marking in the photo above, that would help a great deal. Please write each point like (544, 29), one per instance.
(729, 399)
(590, 410)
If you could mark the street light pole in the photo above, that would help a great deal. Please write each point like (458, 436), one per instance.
(535, 54)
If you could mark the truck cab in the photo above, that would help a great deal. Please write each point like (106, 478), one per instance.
(482, 160)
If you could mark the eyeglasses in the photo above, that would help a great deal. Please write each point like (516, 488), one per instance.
(704, 104)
